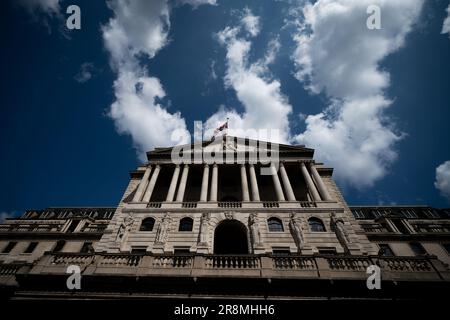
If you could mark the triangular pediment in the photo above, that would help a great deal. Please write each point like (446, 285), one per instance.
(229, 144)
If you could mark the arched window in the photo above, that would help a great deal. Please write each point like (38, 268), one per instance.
(147, 224)
(316, 225)
(186, 224)
(275, 225)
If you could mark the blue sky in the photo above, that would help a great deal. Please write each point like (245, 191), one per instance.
(79, 107)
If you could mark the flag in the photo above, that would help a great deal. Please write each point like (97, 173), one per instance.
(219, 129)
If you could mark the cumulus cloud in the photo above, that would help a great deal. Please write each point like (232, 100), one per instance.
(140, 29)
(446, 24)
(266, 107)
(338, 55)
(442, 182)
(86, 72)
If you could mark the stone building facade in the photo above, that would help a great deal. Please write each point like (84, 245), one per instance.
(235, 217)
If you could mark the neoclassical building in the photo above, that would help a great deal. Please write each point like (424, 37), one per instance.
(235, 218)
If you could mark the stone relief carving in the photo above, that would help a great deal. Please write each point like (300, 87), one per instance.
(163, 229)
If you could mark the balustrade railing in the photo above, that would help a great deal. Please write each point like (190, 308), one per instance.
(72, 258)
(232, 262)
(404, 264)
(308, 204)
(432, 228)
(9, 269)
(173, 261)
(120, 260)
(227, 204)
(349, 263)
(374, 227)
(271, 204)
(189, 205)
(294, 263)
(154, 205)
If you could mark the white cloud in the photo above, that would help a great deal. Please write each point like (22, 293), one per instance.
(251, 22)
(196, 3)
(85, 73)
(337, 54)
(50, 7)
(446, 24)
(442, 182)
(140, 28)
(5, 215)
(265, 105)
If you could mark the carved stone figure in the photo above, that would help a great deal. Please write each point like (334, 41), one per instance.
(204, 222)
(124, 227)
(339, 228)
(229, 215)
(163, 229)
(296, 231)
(254, 229)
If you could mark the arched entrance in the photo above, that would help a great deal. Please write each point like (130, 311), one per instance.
(230, 237)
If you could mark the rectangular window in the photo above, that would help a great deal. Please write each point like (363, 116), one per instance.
(87, 247)
(417, 248)
(9, 247)
(409, 213)
(359, 214)
(446, 246)
(327, 250)
(376, 213)
(181, 250)
(59, 246)
(73, 225)
(138, 250)
(385, 250)
(281, 251)
(431, 214)
(31, 247)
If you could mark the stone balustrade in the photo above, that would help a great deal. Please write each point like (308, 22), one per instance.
(262, 266)
(229, 204)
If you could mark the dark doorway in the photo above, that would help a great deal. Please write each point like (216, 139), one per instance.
(230, 237)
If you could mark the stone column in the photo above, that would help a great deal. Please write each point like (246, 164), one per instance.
(311, 187)
(182, 187)
(173, 184)
(322, 188)
(244, 184)
(254, 183)
(286, 183)
(276, 183)
(138, 195)
(205, 181)
(214, 179)
(151, 184)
